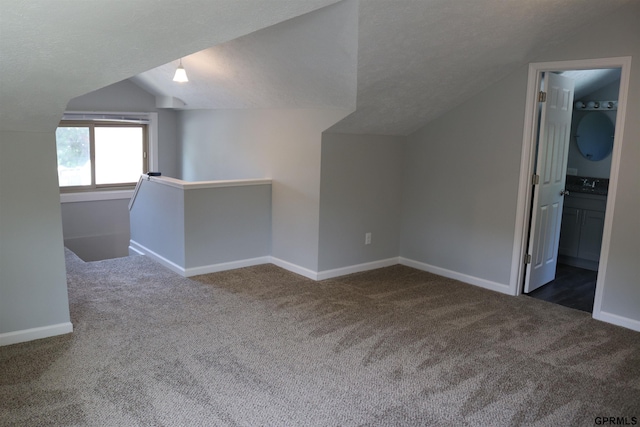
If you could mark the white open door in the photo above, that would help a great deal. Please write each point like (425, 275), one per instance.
(551, 170)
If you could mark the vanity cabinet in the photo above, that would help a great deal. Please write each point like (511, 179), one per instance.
(581, 231)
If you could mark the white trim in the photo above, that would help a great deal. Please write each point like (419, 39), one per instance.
(612, 192)
(528, 156)
(477, 281)
(90, 117)
(135, 191)
(94, 196)
(143, 250)
(186, 185)
(518, 267)
(343, 271)
(615, 319)
(137, 248)
(25, 335)
(295, 268)
(231, 265)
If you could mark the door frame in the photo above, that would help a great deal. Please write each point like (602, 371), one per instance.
(527, 166)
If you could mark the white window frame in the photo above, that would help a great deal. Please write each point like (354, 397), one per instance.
(152, 152)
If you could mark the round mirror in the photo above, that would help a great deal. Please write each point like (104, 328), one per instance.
(595, 136)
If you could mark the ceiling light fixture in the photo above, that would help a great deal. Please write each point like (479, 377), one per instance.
(181, 74)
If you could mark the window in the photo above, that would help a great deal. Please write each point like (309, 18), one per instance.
(100, 155)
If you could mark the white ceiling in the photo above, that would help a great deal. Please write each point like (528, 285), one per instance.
(306, 62)
(54, 50)
(418, 59)
(402, 62)
(588, 81)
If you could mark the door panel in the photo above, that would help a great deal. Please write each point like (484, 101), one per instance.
(570, 234)
(591, 235)
(553, 148)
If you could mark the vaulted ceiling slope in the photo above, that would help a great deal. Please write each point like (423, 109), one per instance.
(416, 58)
(306, 62)
(420, 58)
(52, 51)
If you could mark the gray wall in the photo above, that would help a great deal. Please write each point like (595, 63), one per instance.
(463, 170)
(202, 227)
(100, 229)
(33, 282)
(359, 193)
(461, 182)
(585, 167)
(33, 290)
(157, 220)
(227, 224)
(283, 145)
(96, 230)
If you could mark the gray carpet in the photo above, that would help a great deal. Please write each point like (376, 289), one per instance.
(260, 346)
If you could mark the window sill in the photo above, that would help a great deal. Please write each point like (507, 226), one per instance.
(94, 196)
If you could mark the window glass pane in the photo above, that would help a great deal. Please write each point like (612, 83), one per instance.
(74, 159)
(118, 154)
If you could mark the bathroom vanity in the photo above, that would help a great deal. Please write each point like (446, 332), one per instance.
(583, 222)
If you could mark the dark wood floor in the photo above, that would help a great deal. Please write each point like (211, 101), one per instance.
(573, 287)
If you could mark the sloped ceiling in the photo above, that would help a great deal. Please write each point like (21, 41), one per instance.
(416, 58)
(52, 51)
(306, 62)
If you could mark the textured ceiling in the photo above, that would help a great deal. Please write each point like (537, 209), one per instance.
(306, 62)
(415, 58)
(52, 51)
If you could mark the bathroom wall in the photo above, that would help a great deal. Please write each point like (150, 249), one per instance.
(576, 161)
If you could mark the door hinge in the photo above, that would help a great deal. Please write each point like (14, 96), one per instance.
(144, 155)
(542, 96)
(535, 179)
(527, 259)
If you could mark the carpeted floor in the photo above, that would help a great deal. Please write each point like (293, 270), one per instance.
(260, 346)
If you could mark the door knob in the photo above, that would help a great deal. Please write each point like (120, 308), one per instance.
(564, 193)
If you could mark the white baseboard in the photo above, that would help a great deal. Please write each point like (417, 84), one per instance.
(313, 275)
(214, 268)
(142, 250)
(615, 319)
(134, 250)
(25, 335)
(483, 283)
(343, 271)
(137, 248)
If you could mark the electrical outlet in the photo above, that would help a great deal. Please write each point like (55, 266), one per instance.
(367, 239)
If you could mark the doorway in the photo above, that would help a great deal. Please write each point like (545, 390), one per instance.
(584, 186)
(528, 168)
